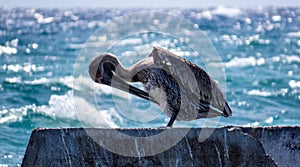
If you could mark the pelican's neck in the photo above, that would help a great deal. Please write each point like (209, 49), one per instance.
(128, 73)
(124, 73)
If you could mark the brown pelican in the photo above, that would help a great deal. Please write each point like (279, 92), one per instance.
(184, 91)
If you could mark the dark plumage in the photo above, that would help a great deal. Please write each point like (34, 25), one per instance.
(183, 90)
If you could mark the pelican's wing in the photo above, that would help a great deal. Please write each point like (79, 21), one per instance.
(191, 78)
(186, 74)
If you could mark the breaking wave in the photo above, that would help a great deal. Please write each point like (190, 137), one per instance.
(62, 107)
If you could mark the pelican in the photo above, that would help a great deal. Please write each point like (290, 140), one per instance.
(183, 91)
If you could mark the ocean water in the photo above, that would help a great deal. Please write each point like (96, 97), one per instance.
(39, 50)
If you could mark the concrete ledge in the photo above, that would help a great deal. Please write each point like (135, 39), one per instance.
(228, 146)
(281, 143)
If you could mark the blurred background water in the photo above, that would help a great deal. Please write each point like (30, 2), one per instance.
(259, 49)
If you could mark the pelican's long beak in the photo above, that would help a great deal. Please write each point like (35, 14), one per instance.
(213, 112)
(118, 83)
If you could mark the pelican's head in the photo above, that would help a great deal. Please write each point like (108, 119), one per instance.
(102, 67)
(102, 70)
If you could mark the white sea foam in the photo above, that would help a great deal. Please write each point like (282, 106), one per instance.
(227, 11)
(276, 18)
(290, 73)
(79, 84)
(290, 59)
(34, 45)
(129, 53)
(256, 38)
(259, 93)
(245, 62)
(62, 106)
(130, 41)
(182, 53)
(294, 84)
(59, 106)
(14, 79)
(14, 43)
(165, 43)
(76, 46)
(45, 20)
(231, 39)
(206, 15)
(10, 47)
(240, 62)
(14, 68)
(14, 114)
(294, 34)
(67, 80)
(107, 90)
(89, 114)
(285, 58)
(219, 11)
(26, 67)
(260, 61)
(248, 21)
(269, 120)
(38, 81)
(42, 20)
(256, 92)
(7, 50)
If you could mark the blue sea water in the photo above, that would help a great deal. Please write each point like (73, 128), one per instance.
(259, 48)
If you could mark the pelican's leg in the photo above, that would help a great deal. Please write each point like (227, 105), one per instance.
(173, 117)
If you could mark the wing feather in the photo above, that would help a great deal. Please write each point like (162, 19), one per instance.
(194, 81)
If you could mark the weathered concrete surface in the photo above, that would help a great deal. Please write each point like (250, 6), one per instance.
(281, 143)
(79, 147)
